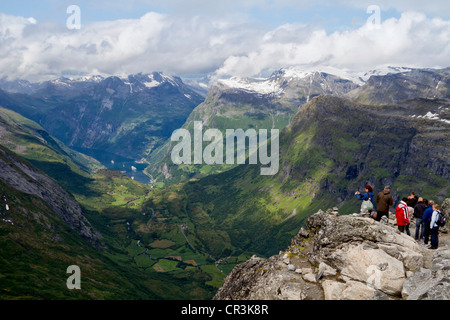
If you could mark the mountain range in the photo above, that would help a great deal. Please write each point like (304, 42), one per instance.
(244, 103)
(125, 116)
(179, 236)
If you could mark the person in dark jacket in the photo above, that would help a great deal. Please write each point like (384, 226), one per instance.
(418, 214)
(384, 201)
(412, 199)
(368, 195)
(426, 220)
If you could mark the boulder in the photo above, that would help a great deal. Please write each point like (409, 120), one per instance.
(375, 268)
(430, 284)
(351, 290)
(350, 257)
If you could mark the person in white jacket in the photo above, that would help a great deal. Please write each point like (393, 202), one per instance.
(434, 228)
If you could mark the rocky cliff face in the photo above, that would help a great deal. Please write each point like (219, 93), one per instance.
(344, 257)
(378, 145)
(25, 178)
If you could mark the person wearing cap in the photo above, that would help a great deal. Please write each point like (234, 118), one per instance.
(384, 201)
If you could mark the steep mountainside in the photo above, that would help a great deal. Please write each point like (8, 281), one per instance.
(24, 178)
(332, 148)
(82, 176)
(30, 140)
(47, 228)
(243, 103)
(45, 231)
(123, 116)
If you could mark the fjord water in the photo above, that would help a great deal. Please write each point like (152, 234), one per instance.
(116, 162)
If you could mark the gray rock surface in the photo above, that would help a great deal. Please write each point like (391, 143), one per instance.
(349, 257)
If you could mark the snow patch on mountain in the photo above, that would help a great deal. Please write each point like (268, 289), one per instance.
(432, 116)
(60, 82)
(157, 79)
(152, 84)
(383, 70)
(261, 86)
(90, 78)
(358, 77)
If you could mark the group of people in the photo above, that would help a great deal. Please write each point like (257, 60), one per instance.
(426, 213)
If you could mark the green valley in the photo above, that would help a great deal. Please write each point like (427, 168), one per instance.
(118, 208)
(180, 237)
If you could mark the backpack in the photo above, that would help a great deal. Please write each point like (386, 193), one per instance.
(441, 219)
(367, 204)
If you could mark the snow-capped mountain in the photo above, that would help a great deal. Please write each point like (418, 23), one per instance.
(412, 84)
(136, 83)
(18, 86)
(148, 81)
(255, 85)
(127, 116)
(292, 83)
(201, 84)
(275, 83)
(90, 78)
(381, 71)
(358, 77)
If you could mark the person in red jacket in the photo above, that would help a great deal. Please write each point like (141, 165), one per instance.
(402, 215)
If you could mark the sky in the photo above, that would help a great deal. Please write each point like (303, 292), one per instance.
(42, 40)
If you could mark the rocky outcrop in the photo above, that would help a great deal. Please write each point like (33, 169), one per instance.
(430, 284)
(344, 257)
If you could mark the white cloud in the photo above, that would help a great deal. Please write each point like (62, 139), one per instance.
(181, 45)
(411, 40)
(155, 42)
